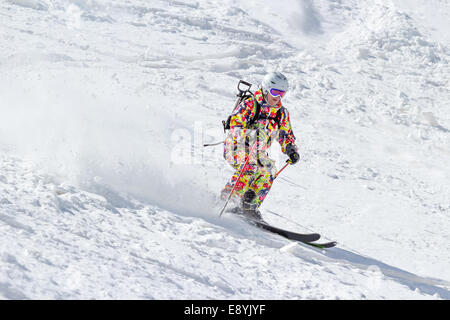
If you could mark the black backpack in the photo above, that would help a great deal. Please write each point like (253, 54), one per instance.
(245, 93)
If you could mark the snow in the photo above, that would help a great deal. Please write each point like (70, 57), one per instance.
(107, 193)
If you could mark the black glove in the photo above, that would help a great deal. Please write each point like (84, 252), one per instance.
(291, 151)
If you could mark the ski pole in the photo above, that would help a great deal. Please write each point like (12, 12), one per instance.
(212, 144)
(240, 175)
(288, 163)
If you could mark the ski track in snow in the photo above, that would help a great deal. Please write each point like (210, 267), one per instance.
(93, 206)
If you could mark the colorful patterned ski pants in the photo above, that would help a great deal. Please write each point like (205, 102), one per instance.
(258, 178)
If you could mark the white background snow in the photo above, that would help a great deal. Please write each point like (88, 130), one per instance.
(106, 192)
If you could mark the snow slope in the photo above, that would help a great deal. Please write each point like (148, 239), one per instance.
(60, 242)
(106, 191)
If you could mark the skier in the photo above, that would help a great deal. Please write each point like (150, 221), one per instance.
(259, 119)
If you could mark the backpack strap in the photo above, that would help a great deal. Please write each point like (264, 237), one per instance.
(258, 116)
(278, 117)
(257, 113)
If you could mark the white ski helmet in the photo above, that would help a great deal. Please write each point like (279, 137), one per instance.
(274, 80)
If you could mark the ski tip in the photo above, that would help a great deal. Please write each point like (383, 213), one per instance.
(330, 244)
(326, 245)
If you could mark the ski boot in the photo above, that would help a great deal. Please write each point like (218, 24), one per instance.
(250, 209)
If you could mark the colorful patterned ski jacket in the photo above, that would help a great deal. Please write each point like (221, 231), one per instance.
(266, 126)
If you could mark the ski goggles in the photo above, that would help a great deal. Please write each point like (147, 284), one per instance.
(277, 93)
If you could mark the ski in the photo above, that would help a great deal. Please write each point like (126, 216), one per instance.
(305, 238)
(325, 245)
